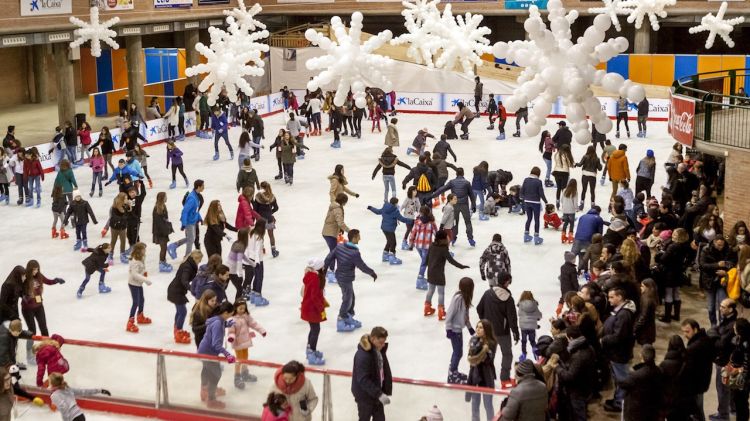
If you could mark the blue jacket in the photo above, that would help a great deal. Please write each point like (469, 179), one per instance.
(220, 122)
(120, 173)
(391, 216)
(347, 259)
(136, 167)
(479, 181)
(588, 225)
(461, 188)
(190, 215)
(532, 190)
(213, 340)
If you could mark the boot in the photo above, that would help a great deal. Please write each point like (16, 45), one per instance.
(564, 238)
(570, 237)
(173, 184)
(393, 260)
(428, 310)
(84, 246)
(617, 134)
(180, 338)
(343, 326)
(63, 234)
(441, 312)
(131, 327)
(331, 277)
(278, 177)
(247, 377)
(667, 317)
(124, 259)
(314, 358)
(214, 404)
(110, 261)
(421, 283)
(538, 240)
(165, 267)
(404, 244)
(143, 320)
(386, 257)
(77, 245)
(238, 383)
(526, 237)
(216, 156)
(172, 250)
(677, 307)
(517, 134)
(501, 136)
(491, 127)
(204, 393)
(274, 252)
(54, 233)
(103, 289)
(580, 206)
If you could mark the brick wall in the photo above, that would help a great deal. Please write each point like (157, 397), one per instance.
(737, 187)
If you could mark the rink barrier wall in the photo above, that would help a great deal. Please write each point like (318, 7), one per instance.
(159, 405)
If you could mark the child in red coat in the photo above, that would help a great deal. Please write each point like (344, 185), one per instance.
(551, 218)
(313, 309)
(49, 358)
(276, 408)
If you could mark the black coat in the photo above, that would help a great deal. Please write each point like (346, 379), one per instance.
(60, 204)
(671, 264)
(180, 285)
(699, 357)
(97, 260)
(214, 235)
(417, 172)
(724, 345)
(81, 210)
(10, 293)
(671, 367)
(497, 306)
(8, 345)
(366, 384)
(71, 137)
(643, 393)
(436, 258)
(578, 374)
(568, 279)
(443, 148)
(709, 264)
(388, 162)
(119, 220)
(617, 339)
(563, 136)
(161, 227)
(644, 327)
(482, 369)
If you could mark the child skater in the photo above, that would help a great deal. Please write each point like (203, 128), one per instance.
(436, 258)
(391, 217)
(376, 114)
(276, 408)
(174, 156)
(96, 262)
(241, 337)
(137, 276)
(49, 358)
(491, 111)
(33, 175)
(448, 221)
(59, 206)
(551, 218)
(313, 308)
(142, 157)
(253, 264)
(63, 397)
(502, 116)
(410, 207)
(4, 174)
(421, 238)
(568, 206)
(528, 319)
(161, 229)
(97, 165)
(212, 344)
(81, 211)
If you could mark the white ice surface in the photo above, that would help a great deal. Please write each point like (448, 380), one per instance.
(26, 411)
(418, 347)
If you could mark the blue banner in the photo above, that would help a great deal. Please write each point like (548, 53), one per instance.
(164, 4)
(525, 4)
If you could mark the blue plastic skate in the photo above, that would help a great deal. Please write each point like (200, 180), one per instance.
(331, 277)
(421, 283)
(343, 326)
(393, 260)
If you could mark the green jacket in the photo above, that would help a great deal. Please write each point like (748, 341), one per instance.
(67, 180)
(247, 178)
(203, 105)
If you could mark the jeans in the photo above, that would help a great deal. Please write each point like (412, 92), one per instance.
(389, 182)
(223, 135)
(462, 209)
(714, 297)
(81, 232)
(347, 300)
(423, 256)
(88, 277)
(258, 279)
(188, 241)
(179, 315)
(588, 182)
(523, 115)
(210, 376)
(241, 159)
(23, 187)
(331, 243)
(288, 172)
(506, 350)
(548, 164)
(723, 395)
(316, 121)
(136, 294)
(457, 344)
(480, 195)
(569, 219)
(70, 152)
(619, 373)
(96, 179)
(531, 336)
(35, 186)
(489, 409)
(579, 247)
(532, 211)
(441, 294)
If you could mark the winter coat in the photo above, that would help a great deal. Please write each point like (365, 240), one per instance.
(97, 164)
(49, 359)
(347, 259)
(494, 261)
(388, 162)
(334, 222)
(97, 260)
(710, 257)
(161, 228)
(66, 180)
(247, 178)
(240, 334)
(214, 234)
(105, 143)
(699, 357)
(10, 293)
(180, 285)
(71, 137)
(8, 345)
(391, 136)
(643, 393)
(461, 187)
(174, 156)
(671, 368)
(563, 136)
(137, 273)
(212, 341)
(265, 206)
(588, 225)
(338, 186)
(119, 220)
(497, 306)
(457, 316)
(416, 172)
(391, 217)
(423, 233)
(65, 401)
(561, 164)
(235, 258)
(646, 169)
(479, 180)
(589, 165)
(617, 337)
(568, 279)
(441, 167)
(81, 211)
(219, 123)
(448, 220)
(617, 166)
(577, 374)
(300, 391)
(527, 401)
(443, 148)
(463, 115)
(436, 258)
(410, 207)
(288, 151)
(644, 327)
(532, 190)
(724, 342)
(367, 385)
(33, 168)
(31, 300)
(671, 264)
(643, 108)
(314, 303)
(528, 315)
(190, 215)
(481, 359)
(246, 215)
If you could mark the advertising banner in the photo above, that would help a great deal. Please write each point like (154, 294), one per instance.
(304, 1)
(46, 7)
(165, 4)
(205, 2)
(106, 5)
(413, 101)
(276, 102)
(525, 4)
(260, 104)
(681, 119)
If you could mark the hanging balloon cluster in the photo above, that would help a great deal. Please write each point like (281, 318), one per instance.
(232, 55)
(94, 31)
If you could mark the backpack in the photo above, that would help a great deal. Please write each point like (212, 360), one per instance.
(199, 283)
(423, 184)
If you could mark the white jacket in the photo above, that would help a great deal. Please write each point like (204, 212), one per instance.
(561, 164)
(254, 251)
(314, 105)
(173, 115)
(135, 273)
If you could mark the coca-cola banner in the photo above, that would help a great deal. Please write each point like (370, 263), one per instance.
(682, 119)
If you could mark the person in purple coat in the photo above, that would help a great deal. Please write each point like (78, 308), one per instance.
(221, 130)
(174, 156)
(212, 344)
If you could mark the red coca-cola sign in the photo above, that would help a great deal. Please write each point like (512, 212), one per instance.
(682, 119)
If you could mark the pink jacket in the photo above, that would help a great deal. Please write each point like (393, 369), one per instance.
(240, 334)
(97, 163)
(246, 215)
(85, 136)
(268, 416)
(49, 358)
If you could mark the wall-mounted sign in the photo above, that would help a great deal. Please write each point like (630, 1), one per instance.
(304, 1)
(525, 4)
(682, 119)
(46, 7)
(205, 2)
(164, 4)
(113, 4)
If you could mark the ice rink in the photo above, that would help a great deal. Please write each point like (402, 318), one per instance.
(418, 347)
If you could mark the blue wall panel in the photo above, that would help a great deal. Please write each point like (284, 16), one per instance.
(104, 71)
(619, 64)
(153, 67)
(168, 93)
(100, 104)
(685, 65)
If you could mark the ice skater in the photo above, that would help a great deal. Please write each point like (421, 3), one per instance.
(174, 158)
(96, 262)
(532, 194)
(81, 211)
(221, 131)
(465, 117)
(390, 219)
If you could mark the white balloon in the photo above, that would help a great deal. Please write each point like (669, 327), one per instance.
(605, 126)
(582, 137)
(532, 130)
(612, 82)
(360, 102)
(636, 93)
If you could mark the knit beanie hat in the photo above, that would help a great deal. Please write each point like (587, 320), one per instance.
(434, 414)
(650, 153)
(525, 368)
(76, 193)
(315, 263)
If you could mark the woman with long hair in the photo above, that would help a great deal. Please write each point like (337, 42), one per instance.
(457, 318)
(644, 327)
(590, 164)
(265, 204)
(482, 348)
(107, 149)
(245, 148)
(216, 222)
(234, 261)
(547, 147)
(246, 214)
(32, 304)
(177, 293)
(568, 206)
(161, 229)
(672, 268)
(202, 310)
(253, 265)
(119, 214)
(338, 183)
(563, 163)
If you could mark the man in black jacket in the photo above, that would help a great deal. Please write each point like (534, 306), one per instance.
(699, 356)
(577, 374)
(414, 175)
(617, 343)
(460, 187)
(563, 135)
(256, 124)
(371, 376)
(643, 391)
(715, 260)
(723, 336)
(497, 306)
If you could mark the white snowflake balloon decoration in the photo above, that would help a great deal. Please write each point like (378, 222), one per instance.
(637, 10)
(95, 32)
(242, 41)
(349, 63)
(611, 8)
(246, 17)
(423, 44)
(557, 67)
(717, 25)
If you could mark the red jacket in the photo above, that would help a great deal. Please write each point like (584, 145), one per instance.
(34, 300)
(85, 136)
(49, 358)
(32, 168)
(313, 303)
(246, 215)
